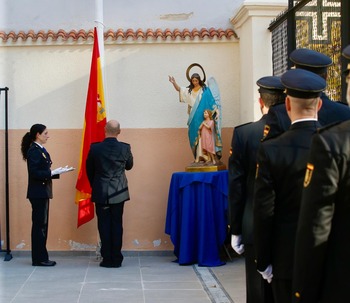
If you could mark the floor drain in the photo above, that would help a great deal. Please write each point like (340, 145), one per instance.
(212, 286)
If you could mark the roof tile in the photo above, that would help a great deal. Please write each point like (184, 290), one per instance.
(120, 35)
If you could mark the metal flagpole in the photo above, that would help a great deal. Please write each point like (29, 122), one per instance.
(8, 255)
(100, 35)
(101, 45)
(100, 29)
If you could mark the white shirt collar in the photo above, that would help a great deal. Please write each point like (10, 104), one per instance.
(39, 144)
(305, 119)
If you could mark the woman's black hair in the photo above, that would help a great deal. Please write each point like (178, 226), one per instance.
(201, 83)
(30, 137)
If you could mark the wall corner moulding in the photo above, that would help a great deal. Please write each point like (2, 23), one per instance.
(249, 10)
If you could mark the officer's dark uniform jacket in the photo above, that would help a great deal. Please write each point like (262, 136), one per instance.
(105, 166)
(281, 165)
(332, 112)
(322, 264)
(242, 164)
(277, 120)
(39, 173)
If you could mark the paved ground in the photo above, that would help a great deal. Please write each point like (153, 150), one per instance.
(141, 279)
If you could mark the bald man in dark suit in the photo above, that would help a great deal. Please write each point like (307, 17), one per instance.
(105, 165)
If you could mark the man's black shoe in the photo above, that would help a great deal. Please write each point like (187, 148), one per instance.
(106, 264)
(110, 264)
(44, 263)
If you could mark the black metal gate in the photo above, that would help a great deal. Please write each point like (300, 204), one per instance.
(321, 25)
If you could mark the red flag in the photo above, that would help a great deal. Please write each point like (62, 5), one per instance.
(95, 121)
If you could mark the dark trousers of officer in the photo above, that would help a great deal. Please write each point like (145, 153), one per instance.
(40, 221)
(257, 289)
(282, 290)
(110, 227)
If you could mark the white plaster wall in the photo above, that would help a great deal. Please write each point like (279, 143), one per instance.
(139, 86)
(134, 14)
(251, 23)
(257, 57)
(57, 76)
(49, 83)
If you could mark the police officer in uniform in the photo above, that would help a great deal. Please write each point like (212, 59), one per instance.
(318, 63)
(321, 273)
(39, 190)
(277, 120)
(281, 165)
(242, 163)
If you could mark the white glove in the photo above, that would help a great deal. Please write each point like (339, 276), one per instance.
(236, 243)
(267, 273)
(56, 171)
(61, 170)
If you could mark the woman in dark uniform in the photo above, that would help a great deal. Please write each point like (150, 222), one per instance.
(39, 189)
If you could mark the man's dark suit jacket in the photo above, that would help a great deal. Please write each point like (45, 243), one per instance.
(105, 166)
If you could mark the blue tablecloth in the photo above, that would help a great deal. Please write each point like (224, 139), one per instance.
(196, 217)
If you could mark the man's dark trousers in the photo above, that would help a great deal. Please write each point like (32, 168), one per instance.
(110, 227)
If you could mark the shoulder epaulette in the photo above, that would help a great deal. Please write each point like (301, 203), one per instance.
(328, 126)
(342, 103)
(268, 137)
(238, 126)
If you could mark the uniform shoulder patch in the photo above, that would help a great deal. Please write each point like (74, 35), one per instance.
(269, 134)
(266, 131)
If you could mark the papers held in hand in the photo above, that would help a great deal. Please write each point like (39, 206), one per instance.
(61, 170)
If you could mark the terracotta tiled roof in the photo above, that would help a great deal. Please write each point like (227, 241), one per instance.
(120, 35)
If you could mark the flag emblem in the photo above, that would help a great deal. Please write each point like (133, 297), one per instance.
(308, 174)
(266, 130)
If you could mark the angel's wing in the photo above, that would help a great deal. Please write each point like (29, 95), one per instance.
(214, 88)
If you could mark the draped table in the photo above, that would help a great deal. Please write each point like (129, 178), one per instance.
(196, 218)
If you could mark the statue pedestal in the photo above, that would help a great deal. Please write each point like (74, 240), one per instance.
(196, 217)
(205, 167)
